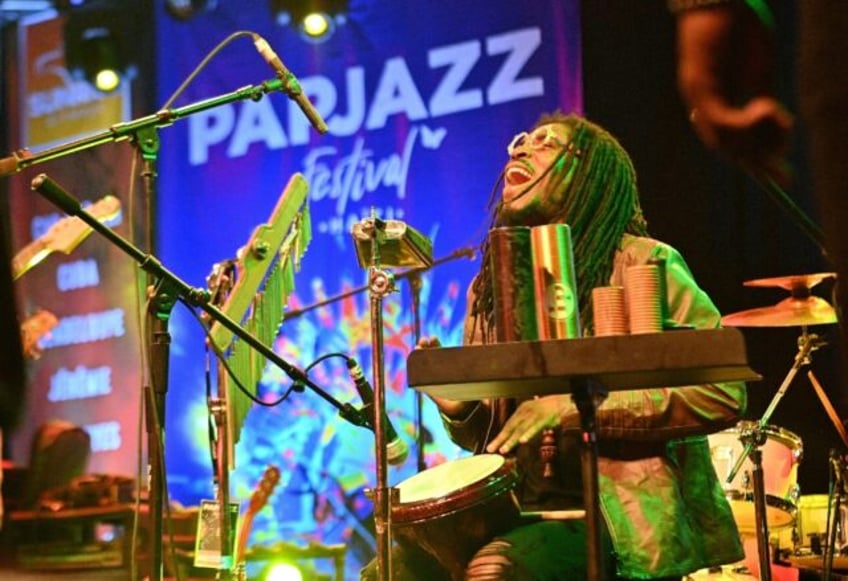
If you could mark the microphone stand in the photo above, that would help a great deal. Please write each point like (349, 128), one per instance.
(23, 159)
(146, 140)
(143, 132)
(167, 291)
(785, 203)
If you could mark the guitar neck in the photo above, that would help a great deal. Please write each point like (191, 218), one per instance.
(243, 534)
(257, 500)
(28, 256)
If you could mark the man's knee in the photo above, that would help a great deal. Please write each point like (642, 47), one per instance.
(490, 563)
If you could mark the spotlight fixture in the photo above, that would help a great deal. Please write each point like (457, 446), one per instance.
(282, 571)
(187, 9)
(94, 49)
(101, 63)
(316, 20)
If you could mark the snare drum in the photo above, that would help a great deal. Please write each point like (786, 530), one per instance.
(782, 451)
(453, 509)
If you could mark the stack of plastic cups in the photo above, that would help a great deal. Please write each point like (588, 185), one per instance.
(608, 311)
(643, 291)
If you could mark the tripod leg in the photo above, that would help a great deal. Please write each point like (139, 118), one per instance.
(761, 515)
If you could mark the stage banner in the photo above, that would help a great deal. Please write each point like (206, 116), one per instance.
(421, 99)
(77, 293)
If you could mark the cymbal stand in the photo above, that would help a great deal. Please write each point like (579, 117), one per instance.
(753, 439)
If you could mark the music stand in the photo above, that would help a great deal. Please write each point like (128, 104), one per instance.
(582, 367)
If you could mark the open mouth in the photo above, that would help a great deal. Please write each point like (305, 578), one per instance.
(517, 175)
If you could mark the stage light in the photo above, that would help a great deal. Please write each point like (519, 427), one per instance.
(282, 571)
(187, 9)
(316, 24)
(93, 48)
(101, 63)
(316, 20)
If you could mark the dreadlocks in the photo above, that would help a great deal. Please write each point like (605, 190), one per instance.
(600, 203)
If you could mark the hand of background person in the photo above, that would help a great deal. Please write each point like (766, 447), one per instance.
(725, 68)
(449, 407)
(528, 421)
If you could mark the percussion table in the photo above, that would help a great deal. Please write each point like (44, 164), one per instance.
(586, 368)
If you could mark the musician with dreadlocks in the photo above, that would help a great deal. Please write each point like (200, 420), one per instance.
(665, 513)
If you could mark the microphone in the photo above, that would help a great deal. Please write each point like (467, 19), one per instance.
(396, 449)
(291, 86)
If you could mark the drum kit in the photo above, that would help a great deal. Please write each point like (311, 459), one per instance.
(758, 462)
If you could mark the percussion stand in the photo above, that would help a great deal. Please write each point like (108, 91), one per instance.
(381, 283)
(754, 438)
(415, 284)
(394, 244)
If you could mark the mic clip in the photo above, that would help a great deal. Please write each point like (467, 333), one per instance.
(357, 417)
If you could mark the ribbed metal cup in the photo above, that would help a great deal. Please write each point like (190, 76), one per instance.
(555, 283)
(511, 264)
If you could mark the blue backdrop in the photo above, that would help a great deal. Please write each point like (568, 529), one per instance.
(421, 99)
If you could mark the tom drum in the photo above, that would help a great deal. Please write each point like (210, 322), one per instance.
(782, 451)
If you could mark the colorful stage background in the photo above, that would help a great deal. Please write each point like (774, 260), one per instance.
(421, 99)
(89, 372)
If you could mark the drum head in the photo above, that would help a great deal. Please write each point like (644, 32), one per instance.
(440, 480)
(454, 486)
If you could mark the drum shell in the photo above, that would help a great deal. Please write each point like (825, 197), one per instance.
(454, 524)
(782, 451)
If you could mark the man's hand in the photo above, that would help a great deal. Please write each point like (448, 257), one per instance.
(449, 407)
(725, 72)
(528, 421)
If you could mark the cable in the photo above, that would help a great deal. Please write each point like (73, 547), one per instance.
(221, 45)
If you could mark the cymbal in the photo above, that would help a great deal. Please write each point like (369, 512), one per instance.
(792, 282)
(791, 312)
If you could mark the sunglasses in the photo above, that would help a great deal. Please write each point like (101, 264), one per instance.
(541, 138)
